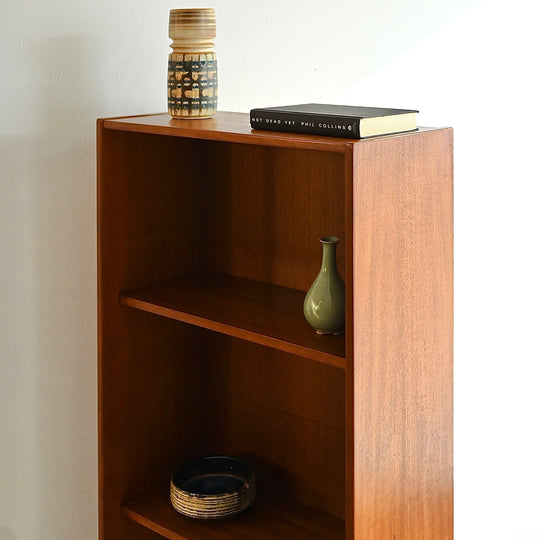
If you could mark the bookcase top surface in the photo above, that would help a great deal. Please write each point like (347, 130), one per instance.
(230, 127)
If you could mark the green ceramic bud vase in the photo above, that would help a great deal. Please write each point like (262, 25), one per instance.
(324, 305)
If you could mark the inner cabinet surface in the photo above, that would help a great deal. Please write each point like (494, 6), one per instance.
(251, 211)
(174, 207)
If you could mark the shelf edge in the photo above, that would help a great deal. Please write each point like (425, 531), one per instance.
(233, 331)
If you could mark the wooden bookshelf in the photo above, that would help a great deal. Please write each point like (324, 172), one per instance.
(208, 240)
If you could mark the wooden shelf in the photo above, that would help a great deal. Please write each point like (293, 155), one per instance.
(266, 520)
(251, 310)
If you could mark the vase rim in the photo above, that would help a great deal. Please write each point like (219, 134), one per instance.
(329, 239)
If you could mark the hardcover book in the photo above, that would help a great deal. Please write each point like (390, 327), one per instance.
(334, 120)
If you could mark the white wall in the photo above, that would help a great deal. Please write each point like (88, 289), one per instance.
(470, 64)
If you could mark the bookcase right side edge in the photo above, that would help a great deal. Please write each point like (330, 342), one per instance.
(401, 366)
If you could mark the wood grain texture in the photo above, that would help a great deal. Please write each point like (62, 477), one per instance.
(146, 389)
(224, 126)
(363, 434)
(269, 519)
(402, 317)
(170, 207)
(284, 414)
(266, 209)
(252, 310)
(232, 127)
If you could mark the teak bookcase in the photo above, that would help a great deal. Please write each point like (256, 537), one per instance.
(208, 240)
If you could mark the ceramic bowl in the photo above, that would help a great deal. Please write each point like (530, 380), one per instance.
(213, 487)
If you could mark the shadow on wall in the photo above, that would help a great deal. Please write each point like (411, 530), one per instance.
(48, 185)
(66, 263)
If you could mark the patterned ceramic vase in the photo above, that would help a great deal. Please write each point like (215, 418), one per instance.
(324, 305)
(192, 85)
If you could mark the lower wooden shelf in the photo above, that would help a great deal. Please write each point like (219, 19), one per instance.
(267, 519)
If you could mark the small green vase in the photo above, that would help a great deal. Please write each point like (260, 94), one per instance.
(324, 305)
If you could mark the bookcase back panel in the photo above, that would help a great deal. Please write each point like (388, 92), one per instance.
(178, 206)
(285, 414)
(268, 209)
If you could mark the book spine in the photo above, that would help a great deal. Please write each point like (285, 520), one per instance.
(315, 124)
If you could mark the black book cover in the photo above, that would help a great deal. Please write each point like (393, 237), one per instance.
(323, 119)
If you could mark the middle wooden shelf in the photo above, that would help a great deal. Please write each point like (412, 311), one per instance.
(258, 312)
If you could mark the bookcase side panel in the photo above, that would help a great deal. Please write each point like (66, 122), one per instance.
(402, 298)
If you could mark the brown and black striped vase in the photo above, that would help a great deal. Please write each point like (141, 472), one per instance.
(192, 87)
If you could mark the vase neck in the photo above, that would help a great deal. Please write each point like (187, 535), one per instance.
(329, 255)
